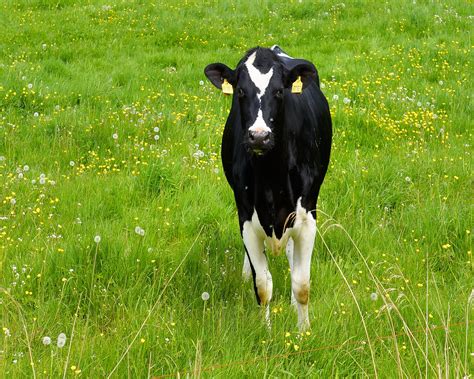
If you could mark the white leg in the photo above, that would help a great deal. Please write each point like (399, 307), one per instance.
(304, 234)
(246, 270)
(254, 243)
(289, 255)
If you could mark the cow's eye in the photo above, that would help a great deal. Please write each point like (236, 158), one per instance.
(279, 93)
(241, 92)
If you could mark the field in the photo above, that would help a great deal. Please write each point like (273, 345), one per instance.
(116, 218)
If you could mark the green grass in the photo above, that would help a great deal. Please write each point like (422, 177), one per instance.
(395, 212)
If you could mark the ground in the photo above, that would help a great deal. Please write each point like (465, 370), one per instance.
(118, 229)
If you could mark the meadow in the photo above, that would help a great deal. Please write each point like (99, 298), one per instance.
(116, 220)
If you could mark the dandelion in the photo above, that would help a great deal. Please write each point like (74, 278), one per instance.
(139, 231)
(156, 137)
(156, 129)
(36, 114)
(97, 239)
(346, 101)
(407, 179)
(198, 154)
(61, 340)
(72, 163)
(115, 136)
(44, 46)
(26, 168)
(142, 340)
(441, 82)
(205, 296)
(201, 82)
(13, 201)
(20, 175)
(2, 158)
(322, 85)
(46, 340)
(30, 86)
(7, 332)
(374, 296)
(335, 97)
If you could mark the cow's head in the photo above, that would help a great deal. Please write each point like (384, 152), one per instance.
(261, 82)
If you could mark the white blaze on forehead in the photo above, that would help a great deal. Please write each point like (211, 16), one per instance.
(260, 80)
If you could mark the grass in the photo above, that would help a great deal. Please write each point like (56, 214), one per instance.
(108, 128)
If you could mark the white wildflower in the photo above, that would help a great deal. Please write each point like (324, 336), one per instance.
(205, 296)
(97, 239)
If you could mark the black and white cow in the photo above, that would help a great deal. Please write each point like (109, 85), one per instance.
(275, 153)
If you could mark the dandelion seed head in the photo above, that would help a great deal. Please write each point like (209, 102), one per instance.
(156, 137)
(374, 296)
(46, 340)
(115, 136)
(335, 97)
(72, 163)
(205, 296)
(26, 168)
(30, 85)
(156, 129)
(61, 340)
(36, 114)
(97, 239)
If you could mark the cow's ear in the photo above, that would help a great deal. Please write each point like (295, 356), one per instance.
(217, 72)
(304, 70)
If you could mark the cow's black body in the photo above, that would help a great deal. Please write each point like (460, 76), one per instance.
(294, 168)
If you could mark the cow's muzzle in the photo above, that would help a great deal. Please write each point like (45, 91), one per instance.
(259, 141)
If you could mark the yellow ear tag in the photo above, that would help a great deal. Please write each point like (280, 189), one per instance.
(297, 86)
(227, 88)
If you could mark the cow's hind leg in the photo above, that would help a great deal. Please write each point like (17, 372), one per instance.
(246, 269)
(289, 255)
(262, 278)
(304, 234)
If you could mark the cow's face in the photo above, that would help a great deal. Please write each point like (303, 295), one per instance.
(260, 84)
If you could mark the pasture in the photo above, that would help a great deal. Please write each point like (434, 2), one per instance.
(116, 220)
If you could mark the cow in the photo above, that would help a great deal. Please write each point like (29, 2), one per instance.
(275, 153)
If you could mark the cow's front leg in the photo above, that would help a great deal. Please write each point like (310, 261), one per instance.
(304, 234)
(263, 285)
